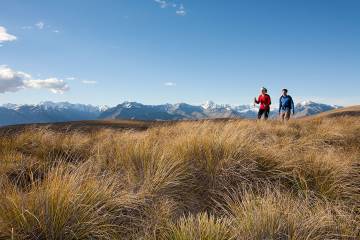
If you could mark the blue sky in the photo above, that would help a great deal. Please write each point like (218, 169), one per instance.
(106, 52)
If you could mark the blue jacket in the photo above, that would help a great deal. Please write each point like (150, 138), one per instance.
(286, 102)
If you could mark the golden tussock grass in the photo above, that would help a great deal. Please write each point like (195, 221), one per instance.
(208, 180)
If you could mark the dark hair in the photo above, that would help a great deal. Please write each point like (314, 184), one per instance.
(285, 90)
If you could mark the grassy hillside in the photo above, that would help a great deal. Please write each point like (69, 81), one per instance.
(208, 180)
(81, 126)
(348, 111)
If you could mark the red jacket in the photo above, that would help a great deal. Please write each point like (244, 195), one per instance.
(265, 102)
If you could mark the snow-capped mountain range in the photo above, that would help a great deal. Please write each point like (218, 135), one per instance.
(64, 111)
(47, 112)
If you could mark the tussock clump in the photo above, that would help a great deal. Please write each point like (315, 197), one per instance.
(51, 146)
(201, 226)
(63, 206)
(72, 204)
(277, 215)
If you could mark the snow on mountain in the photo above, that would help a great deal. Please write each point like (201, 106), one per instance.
(103, 108)
(48, 112)
(10, 106)
(69, 106)
(212, 105)
(305, 102)
(48, 105)
(307, 108)
(207, 110)
(208, 105)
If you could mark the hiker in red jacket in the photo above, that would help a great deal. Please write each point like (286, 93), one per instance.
(265, 101)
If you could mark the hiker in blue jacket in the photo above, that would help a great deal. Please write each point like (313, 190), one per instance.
(286, 105)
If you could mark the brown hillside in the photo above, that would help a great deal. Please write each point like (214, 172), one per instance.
(347, 111)
(218, 180)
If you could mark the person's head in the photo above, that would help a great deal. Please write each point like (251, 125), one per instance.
(263, 90)
(284, 92)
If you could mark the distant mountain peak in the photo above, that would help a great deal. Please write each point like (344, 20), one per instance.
(306, 102)
(208, 105)
(128, 104)
(11, 106)
(103, 108)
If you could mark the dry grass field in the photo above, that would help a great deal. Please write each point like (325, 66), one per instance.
(206, 180)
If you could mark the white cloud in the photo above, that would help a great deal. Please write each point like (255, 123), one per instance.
(40, 25)
(5, 36)
(53, 84)
(162, 3)
(71, 78)
(181, 11)
(170, 84)
(89, 82)
(12, 81)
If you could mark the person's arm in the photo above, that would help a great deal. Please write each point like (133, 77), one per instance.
(256, 100)
(268, 102)
(280, 105)
(293, 106)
